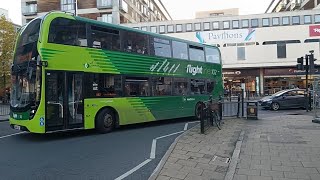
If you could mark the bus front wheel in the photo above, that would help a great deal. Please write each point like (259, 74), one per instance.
(105, 121)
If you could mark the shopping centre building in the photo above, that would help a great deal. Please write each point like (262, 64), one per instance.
(259, 52)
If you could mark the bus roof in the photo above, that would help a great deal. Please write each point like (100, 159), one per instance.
(95, 22)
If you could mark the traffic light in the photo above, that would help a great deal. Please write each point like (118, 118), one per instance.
(311, 63)
(300, 63)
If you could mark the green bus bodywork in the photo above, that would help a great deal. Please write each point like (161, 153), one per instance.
(129, 109)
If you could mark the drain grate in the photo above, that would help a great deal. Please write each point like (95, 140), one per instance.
(294, 114)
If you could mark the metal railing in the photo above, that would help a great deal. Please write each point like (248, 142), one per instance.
(4, 109)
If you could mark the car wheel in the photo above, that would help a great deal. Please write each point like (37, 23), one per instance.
(105, 121)
(275, 106)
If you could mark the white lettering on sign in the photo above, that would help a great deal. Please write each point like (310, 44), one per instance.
(316, 30)
(194, 70)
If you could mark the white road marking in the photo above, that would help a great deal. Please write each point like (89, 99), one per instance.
(169, 135)
(152, 153)
(1, 137)
(185, 126)
(153, 149)
(133, 170)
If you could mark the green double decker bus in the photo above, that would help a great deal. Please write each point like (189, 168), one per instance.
(71, 72)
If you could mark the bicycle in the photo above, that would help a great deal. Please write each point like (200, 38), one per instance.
(215, 114)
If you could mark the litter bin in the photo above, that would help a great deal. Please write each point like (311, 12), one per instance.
(252, 110)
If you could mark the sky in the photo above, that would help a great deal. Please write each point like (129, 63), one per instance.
(178, 9)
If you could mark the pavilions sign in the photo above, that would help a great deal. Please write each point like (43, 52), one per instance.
(226, 36)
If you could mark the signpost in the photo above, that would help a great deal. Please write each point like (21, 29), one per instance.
(309, 69)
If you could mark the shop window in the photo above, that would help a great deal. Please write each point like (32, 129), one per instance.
(307, 19)
(275, 21)
(206, 26)
(153, 29)
(254, 22)
(161, 86)
(162, 29)
(285, 20)
(235, 24)
(135, 42)
(212, 55)
(265, 22)
(197, 27)
(180, 50)
(180, 86)
(281, 50)
(161, 47)
(317, 18)
(241, 52)
(170, 28)
(179, 27)
(189, 27)
(295, 20)
(245, 23)
(103, 85)
(198, 86)
(226, 25)
(144, 28)
(311, 40)
(196, 53)
(105, 38)
(215, 25)
(137, 86)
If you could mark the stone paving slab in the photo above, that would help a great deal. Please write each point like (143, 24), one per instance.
(202, 156)
(282, 147)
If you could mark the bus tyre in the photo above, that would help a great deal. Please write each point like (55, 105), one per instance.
(198, 109)
(105, 121)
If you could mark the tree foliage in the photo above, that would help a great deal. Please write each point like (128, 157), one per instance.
(7, 41)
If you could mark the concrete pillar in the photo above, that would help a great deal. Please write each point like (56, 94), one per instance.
(115, 12)
(261, 81)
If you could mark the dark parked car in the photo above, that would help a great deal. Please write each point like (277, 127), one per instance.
(290, 98)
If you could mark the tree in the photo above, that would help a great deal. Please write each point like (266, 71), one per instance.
(7, 41)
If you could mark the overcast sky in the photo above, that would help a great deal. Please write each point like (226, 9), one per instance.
(178, 9)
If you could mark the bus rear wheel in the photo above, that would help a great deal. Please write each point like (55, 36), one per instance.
(198, 109)
(105, 121)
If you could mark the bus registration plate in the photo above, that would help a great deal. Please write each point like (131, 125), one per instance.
(17, 127)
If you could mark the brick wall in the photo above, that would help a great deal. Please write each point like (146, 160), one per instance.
(85, 4)
(48, 5)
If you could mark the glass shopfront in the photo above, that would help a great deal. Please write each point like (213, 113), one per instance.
(246, 79)
(277, 79)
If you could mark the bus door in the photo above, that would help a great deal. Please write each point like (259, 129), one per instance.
(64, 100)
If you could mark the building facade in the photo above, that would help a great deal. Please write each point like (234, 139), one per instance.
(111, 11)
(214, 13)
(259, 52)
(292, 5)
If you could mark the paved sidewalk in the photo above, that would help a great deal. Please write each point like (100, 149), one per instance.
(282, 147)
(197, 156)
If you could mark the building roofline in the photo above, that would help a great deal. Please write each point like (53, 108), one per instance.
(270, 5)
(165, 9)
